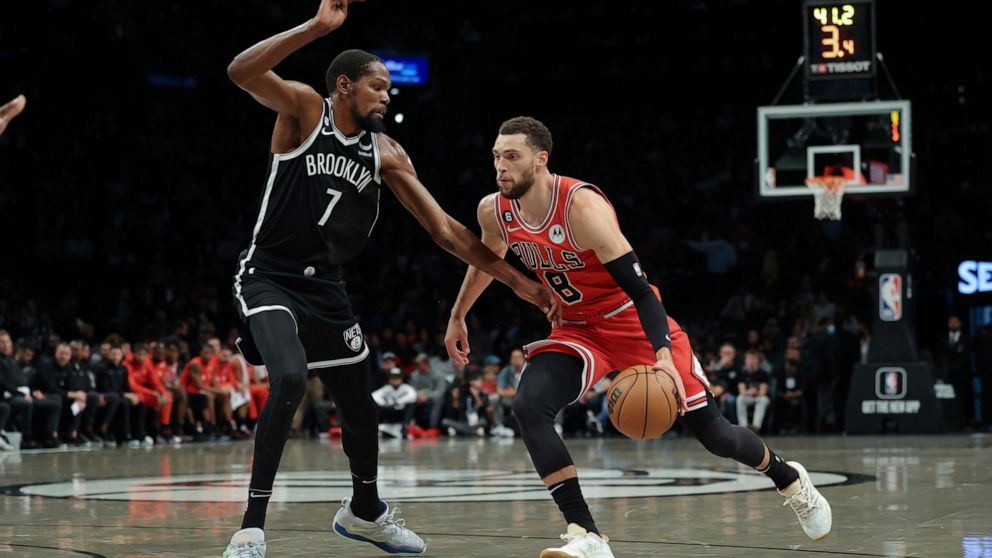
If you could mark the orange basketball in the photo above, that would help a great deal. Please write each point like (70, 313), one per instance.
(642, 402)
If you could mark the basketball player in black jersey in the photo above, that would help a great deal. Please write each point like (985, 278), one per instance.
(321, 199)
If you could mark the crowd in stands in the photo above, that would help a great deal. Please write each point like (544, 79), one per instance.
(127, 223)
(116, 394)
(772, 379)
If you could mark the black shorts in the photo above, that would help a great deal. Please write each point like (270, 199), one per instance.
(320, 309)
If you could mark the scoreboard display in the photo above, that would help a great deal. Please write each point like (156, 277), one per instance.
(840, 38)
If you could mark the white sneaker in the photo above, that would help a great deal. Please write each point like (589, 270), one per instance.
(580, 543)
(4, 445)
(810, 506)
(246, 543)
(592, 424)
(394, 430)
(500, 431)
(386, 532)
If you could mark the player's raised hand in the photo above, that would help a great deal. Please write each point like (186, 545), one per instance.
(456, 333)
(666, 365)
(10, 110)
(541, 296)
(331, 15)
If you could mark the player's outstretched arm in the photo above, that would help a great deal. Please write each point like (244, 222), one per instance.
(252, 69)
(474, 284)
(11, 109)
(594, 226)
(398, 173)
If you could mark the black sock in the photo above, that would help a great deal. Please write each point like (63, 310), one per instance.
(568, 496)
(365, 501)
(780, 473)
(258, 501)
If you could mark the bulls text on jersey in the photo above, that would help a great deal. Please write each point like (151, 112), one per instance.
(539, 257)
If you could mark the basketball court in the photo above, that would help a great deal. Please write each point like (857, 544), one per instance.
(844, 150)
(907, 496)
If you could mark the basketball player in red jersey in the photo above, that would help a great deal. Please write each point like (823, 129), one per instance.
(565, 231)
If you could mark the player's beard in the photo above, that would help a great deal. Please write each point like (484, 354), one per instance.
(519, 189)
(370, 124)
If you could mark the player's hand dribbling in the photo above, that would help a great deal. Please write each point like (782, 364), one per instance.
(541, 296)
(331, 15)
(456, 333)
(667, 365)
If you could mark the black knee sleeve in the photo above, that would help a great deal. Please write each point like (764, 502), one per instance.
(722, 438)
(351, 388)
(287, 391)
(284, 356)
(550, 382)
(530, 410)
(719, 438)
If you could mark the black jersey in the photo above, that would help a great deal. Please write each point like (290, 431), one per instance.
(320, 202)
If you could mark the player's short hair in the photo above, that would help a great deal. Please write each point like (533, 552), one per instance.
(353, 63)
(538, 135)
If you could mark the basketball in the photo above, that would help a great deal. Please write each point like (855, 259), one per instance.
(642, 402)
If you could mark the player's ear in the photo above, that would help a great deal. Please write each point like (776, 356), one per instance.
(542, 159)
(343, 85)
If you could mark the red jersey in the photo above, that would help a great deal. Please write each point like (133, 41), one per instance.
(577, 277)
(141, 378)
(224, 375)
(165, 372)
(207, 372)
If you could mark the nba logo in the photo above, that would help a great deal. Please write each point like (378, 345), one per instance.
(890, 297)
(890, 383)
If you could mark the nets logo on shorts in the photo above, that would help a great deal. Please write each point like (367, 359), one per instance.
(353, 337)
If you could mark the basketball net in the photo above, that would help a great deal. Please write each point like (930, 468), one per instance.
(828, 191)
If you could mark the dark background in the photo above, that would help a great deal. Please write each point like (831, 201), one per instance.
(123, 204)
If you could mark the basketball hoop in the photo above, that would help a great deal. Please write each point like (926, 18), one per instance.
(828, 191)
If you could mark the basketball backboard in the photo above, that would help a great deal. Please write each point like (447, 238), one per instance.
(869, 143)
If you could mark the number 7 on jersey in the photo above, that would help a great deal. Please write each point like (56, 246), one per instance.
(335, 196)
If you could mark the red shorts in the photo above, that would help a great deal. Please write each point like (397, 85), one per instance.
(617, 343)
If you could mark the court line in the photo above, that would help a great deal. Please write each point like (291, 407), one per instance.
(82, 552)
(15, 489)
(488, 536)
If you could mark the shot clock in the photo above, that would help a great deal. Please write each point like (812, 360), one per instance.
(840, 38)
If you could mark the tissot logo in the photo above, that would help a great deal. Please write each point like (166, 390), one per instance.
(410, 484)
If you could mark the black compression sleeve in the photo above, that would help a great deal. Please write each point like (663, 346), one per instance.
(626, 271)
